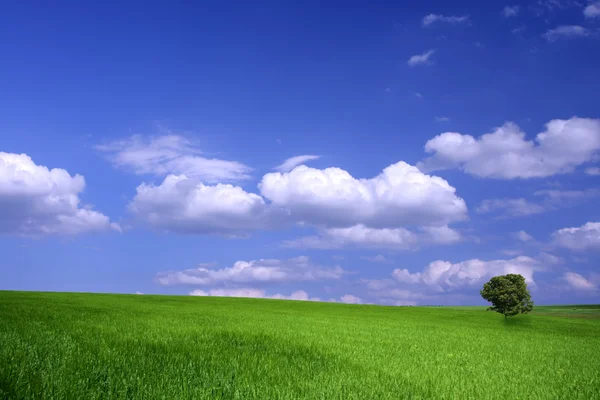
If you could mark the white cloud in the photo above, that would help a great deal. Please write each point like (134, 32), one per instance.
(592, 10)
(297, 295)
(253, 293)
(594, 171)
(566, 197)
(421, 59)
(445, 276)
(262, 294)
(350, 299)
(400, 195)
(505, 154)
(432, 18)
(585, 237)
(330, 198)
(379, 258)
(445, 280)
(523, 236)
(510, 11)
(442, 119)
(358, 235)
(578, 282)
(183, 205)
(293, 162)
(240, 292)
(377, 238)
(566, 31)
(510, 207)
(171, 154)
(265, 270)
(35, 200)
(440, 235)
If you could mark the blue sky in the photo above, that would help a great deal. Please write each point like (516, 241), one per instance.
(143, 148)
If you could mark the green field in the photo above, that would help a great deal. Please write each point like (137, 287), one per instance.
(91, 346)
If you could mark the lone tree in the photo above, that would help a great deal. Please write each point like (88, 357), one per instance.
(508, 295)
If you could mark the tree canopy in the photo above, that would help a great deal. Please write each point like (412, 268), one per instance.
(508, 294)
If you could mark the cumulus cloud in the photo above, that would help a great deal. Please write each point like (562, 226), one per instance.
(400, 195)
(171, 154)
(293, 162)
(35, 200)
(253, 293)
(505, 154)
(264, 270)
(592, 10)
(445, 276)
(579, 283)
(184, 205)
(433, 18)
(440, 235)
(523, 236)
(566, 32)
(509, 207)
(329, 199)
(377, 238)
(443, 280)
(421, 59)
(510, 11)
(585, 237)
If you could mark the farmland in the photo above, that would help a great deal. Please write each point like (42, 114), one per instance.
(92, 346)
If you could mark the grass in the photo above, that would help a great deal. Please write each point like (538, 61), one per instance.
(94, 346)
(572, 311)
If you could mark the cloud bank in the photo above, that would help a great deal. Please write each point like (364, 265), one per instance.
(506, 154)
(344, 208)
(35, 200)
(297, 269)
